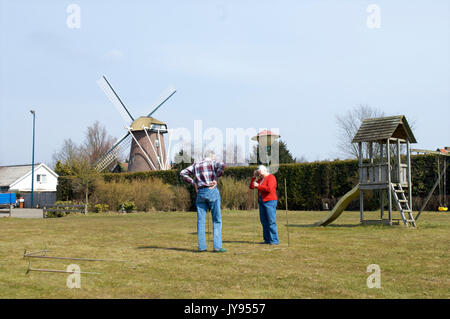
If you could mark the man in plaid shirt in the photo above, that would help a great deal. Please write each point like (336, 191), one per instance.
(204, 175)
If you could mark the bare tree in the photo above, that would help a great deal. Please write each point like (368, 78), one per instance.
(348, 125)
(68, 153)
(301, 159)
(97, 142)
(72, 157)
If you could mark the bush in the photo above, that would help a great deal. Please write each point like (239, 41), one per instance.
(182, 199)
(62, 213)
(147, 195)
(100, 208)
(127, 206)
(235, 194)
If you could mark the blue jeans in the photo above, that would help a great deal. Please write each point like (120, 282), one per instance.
(268, 217)
(209, 199)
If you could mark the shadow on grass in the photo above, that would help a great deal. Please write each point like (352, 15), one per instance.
(239, 242)
(331, 226)
(168, 248)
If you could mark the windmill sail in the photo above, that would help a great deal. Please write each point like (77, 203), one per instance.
(164, 97)
(115, 99)
(117, 152)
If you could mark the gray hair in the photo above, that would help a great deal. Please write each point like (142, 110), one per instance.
(209, 154)
(262, 169)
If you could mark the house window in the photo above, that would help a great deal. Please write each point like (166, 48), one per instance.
(41, 178)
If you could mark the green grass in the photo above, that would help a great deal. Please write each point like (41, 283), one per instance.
(162, 262)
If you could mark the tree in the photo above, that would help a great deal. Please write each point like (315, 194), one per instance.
(301, 159)
(68, 152)
(182, 160)
(284, 155)
(349, 123)
(97, 142)
(85, 177)
(63, 169)
(78, 160)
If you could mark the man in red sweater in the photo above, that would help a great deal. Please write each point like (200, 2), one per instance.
(267, 199)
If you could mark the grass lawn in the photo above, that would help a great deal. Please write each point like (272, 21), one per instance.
(159, 250)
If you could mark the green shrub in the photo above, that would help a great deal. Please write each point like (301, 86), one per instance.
(100, 208)
(127, 206)
(61, 213)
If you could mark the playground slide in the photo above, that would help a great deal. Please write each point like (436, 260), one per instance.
(340, 206)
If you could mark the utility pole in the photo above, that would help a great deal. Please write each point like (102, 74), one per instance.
(32, 161)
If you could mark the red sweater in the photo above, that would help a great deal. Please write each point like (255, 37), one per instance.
(267, 189)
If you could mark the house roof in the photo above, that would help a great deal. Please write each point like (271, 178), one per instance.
(382, 128)
(9, 174)
(13, 173)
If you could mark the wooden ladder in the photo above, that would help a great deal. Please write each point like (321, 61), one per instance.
(402, 204)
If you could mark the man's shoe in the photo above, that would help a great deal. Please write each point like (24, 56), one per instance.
(202, 251)
(221, 250)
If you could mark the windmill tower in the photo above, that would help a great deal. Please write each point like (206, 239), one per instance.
(148, 151)
(144, 137)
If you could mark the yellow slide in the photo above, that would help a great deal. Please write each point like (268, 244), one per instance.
(340, 206)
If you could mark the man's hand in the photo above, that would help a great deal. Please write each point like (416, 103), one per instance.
(255, 184)
(196, 189)
(255, 173)
(213, 185)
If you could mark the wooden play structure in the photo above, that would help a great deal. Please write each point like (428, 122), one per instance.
(385, 165)
(384, 156)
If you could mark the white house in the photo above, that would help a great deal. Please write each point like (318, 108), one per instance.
(17, 178)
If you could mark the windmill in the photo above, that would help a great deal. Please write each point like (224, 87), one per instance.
(144, 137)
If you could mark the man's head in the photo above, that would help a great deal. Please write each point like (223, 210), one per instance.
(209, 155)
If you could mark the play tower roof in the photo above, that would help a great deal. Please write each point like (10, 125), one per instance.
(383, 128)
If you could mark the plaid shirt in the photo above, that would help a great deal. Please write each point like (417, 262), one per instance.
(203, 173)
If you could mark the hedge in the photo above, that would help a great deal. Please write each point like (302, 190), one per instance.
(309, 185)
